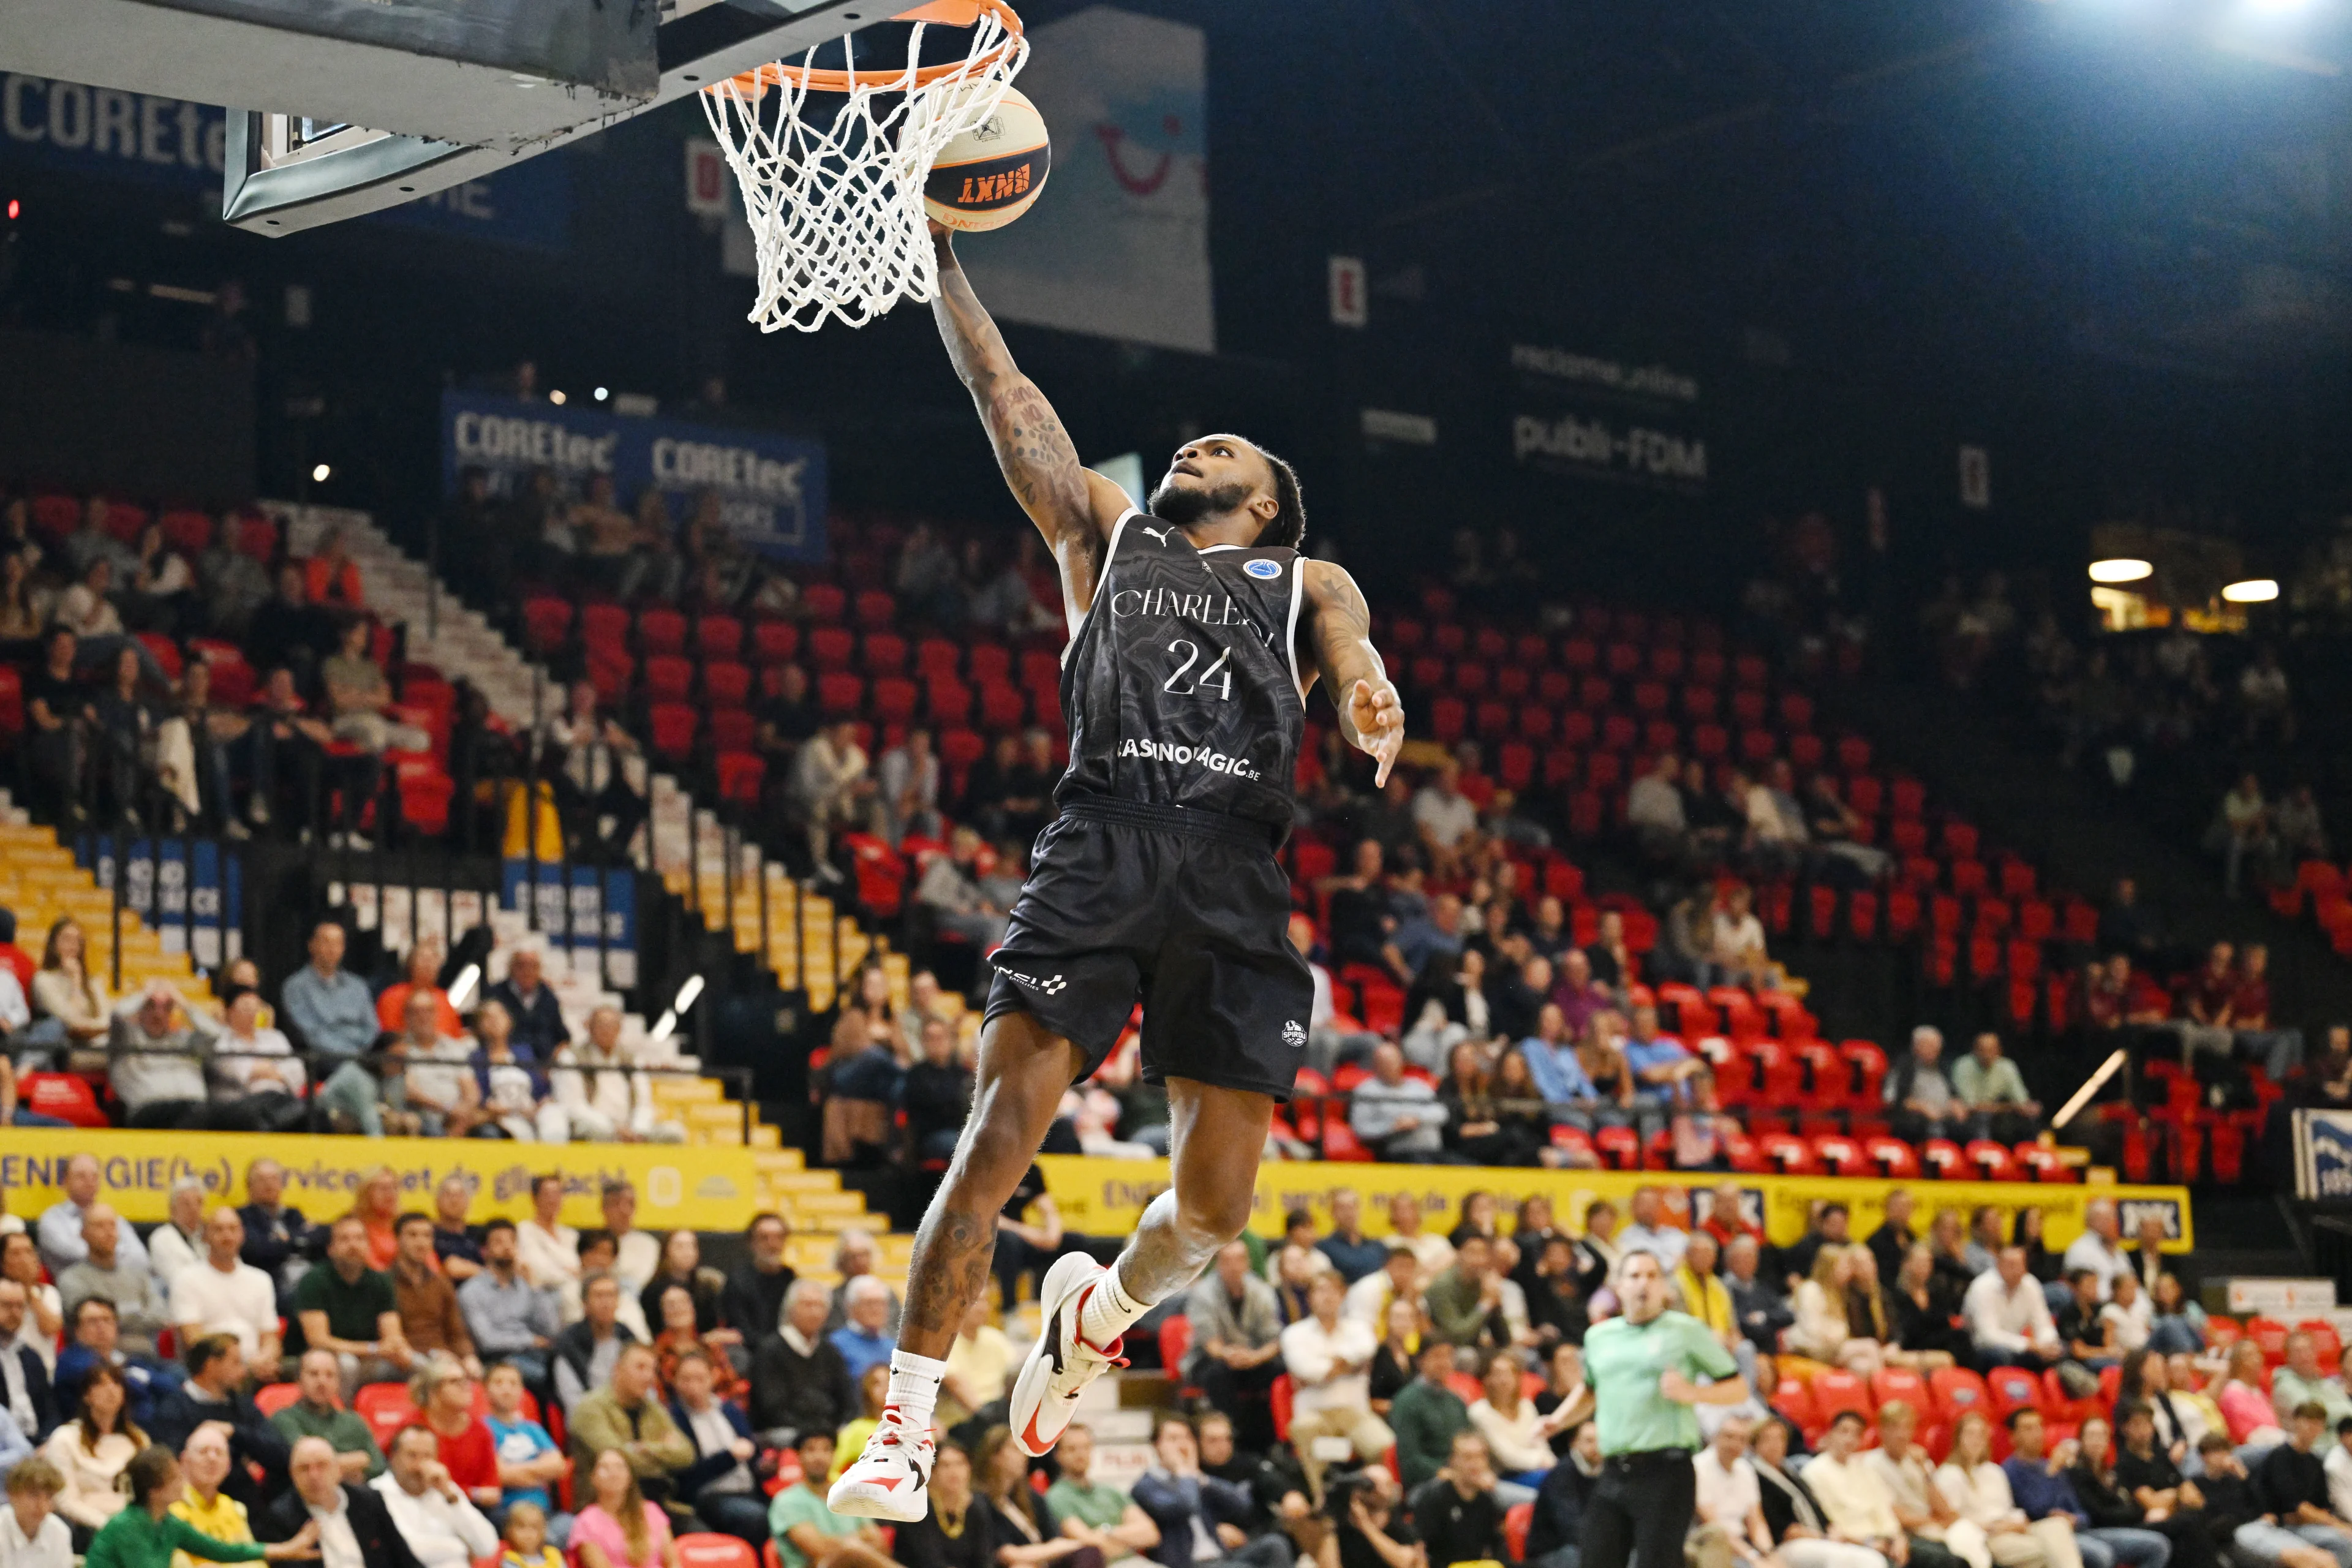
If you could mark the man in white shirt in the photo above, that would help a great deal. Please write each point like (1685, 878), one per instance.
(1926, 1515)
(179, 1241)
(60, 1224)
(2096, 1248)
(547, 1250)
(222, 1294)
(1730, 1501)
(1853, 1499)
(1329, 1357)
(432, 1513)
(1650, 1232)
(1433, 1252)
(1367, 1301)
(1444, 817)
(2009, 1320)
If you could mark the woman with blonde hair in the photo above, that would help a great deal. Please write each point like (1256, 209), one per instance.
(620, 1529)
(1821, 1331)
(2238, 1394)
(1979, 1490)
(375, 1203)
(92, 1450)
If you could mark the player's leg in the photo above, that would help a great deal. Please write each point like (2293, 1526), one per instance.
(1023, 1069)
(1214, 1138)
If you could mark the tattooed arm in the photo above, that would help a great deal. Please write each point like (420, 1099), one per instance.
(1072, 506)
(1339, 649)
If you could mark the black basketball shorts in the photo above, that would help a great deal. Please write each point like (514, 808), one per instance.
(1185, 911)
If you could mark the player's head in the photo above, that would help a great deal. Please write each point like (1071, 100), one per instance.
(1222, 474)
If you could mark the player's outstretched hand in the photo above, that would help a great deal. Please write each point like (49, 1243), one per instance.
(1673, 1386)
(1378, 714)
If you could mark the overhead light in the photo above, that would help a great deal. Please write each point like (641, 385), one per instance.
(556, 399)
(2253, 591)
(603, 393)
(666, 1023)
(462, 989)
(319, 475)
(2082, 1097)
(2121, 569)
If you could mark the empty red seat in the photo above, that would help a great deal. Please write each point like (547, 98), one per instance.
(740, 776)
(831, 647)
(823, 601)
(886, 653)
(1002, 707)
(661, 631)
(839, 694)
(774, 642)
(603, 624)
(876, 609)
(733, 730)
(718, 637)
(727, 685)
(673, 727)
(668, 678)
(948, 702)
(894, 699)
(546, 623)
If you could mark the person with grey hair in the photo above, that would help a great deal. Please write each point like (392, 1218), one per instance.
(800, 1383)
(584, 1354)
(865, 1341)
(1921, 1102)
(853, 1257)
(110, 1270)
(154, 1061)
(179, 1242)
(59, 1229)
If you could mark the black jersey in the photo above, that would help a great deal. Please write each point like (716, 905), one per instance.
(1181, 686)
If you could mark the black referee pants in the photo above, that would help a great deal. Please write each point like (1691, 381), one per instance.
(1641, 1507)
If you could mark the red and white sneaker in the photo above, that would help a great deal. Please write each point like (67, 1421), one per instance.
(892, 1478)
(1061, 1364)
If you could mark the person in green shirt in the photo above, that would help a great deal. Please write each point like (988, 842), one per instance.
(1990, 1085)
(1638, 1373)
(1103, 1517)
(1426, 1415)
(808, 1534)
(349, 1309)
(146, 1533)
(316, 1414)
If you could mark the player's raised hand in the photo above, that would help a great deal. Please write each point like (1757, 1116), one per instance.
(1378, 715)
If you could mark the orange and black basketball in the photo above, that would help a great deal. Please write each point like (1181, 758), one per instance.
(989, 175)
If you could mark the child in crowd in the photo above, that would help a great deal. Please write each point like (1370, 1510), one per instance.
(526, 1540)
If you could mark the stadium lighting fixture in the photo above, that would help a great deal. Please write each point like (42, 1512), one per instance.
(603, 393)
(556, 399)
(462, 988)
(667, 1023)
(14, 208)
(2121, 569)
(2253, 591)
(2107, 1070)
(319, 475)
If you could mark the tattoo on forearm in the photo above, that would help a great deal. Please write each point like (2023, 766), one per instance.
(1039, 462)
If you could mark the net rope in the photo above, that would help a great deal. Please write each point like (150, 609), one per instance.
(837, 210)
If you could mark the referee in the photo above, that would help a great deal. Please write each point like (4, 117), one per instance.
(1638, 1372)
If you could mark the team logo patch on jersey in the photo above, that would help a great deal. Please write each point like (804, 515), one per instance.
(1294, 1034)
(1264, 569)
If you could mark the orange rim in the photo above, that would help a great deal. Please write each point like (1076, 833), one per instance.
(951, 13)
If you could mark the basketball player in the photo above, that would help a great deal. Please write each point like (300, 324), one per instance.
(1637, 1385)
(1196, 628)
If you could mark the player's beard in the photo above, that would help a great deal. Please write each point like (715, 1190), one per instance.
(1186, 507)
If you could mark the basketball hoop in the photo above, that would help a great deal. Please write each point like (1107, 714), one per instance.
(837, 210)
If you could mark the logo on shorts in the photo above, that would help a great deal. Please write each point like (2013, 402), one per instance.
(1265, 570)
(1294, 1034)
(1048, 986)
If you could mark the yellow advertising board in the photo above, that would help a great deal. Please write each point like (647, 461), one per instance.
(699, 1188)
(1105, 1198)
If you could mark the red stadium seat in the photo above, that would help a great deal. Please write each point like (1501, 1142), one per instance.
(673, 727)
(733, 730)
(65, 1096)
(740, 776)
(894, 699)
(774, 642)
(668, 678)
(2012, 1388)
(718, 637)
(661, 631)
(699, 1549)
(839, 694)
(727, 685)
(886, 653)
(831, 647)
(1956, 1391)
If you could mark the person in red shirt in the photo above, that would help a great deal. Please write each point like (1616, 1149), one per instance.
(444, 1396)
(1724, 1219)
(2278, 1050)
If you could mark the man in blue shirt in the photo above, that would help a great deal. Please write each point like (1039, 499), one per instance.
(1662, 1064)
(1560, 1077)
(334, 1010)
(2039, 1487)
(1351, 1252)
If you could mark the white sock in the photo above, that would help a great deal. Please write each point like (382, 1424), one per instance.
(915, 1386)
(1109, 1311)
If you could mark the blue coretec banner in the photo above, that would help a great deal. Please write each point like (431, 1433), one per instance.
(770, 488)
(205, 904)
(112, 133)
(593, 899)
(2323, 1155)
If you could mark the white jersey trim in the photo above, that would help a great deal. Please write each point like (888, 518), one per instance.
(1077, 619)
(1290, 634)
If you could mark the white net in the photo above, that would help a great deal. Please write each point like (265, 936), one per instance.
(836, 206)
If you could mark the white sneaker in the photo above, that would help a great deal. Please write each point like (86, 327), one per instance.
(892, 1478)
(1061, 1364)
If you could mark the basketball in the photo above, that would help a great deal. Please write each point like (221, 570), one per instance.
(988, 176)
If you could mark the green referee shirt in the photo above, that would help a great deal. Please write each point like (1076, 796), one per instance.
(1624, 1362)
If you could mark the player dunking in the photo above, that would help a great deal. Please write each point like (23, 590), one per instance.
(1196, 628)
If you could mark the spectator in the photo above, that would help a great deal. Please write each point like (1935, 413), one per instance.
(865, 1341)
(1199, 1517)
(605, 1100)
(27, 1405)
(799, 1384)
(1351, 1252)
(1428, 1415)
(908, 787)
(1823, 1329)
(753, 1302)
(1937, 1536)
(586, 1352)
(1092, 1512)
(2291, 1481)
(678, 1337)
(32, 1533)
(547, 1250)
(2119, 1520)
(1471, 1305)
(178, 1242)
(1327, 1358)
(92, 1450)
(2237, 1515)
(2099, 1248)
(718, 1485)
(113, 1271)
(1236, 1344)
(352, 1520)
(212, 1395)
(431, 1511)
(980, 1366)
(624, 1415)
(596, 786)
(2300, 1382)
(1398, 1117)
(143, 1532)
(1980, 1490)
(1920, 1093)
(1735, 939)
(1445, 820)
(97, 1337)
(827, 789)
(1894, 1237)
(368, 1095)
(2302, 832)
(2089, 1338)
(1517, 1434)
(67, 991)
(1759, 1309)
(440, 1087)
(529, 1461)
(442, 1394)
(1855, 1502)
(508, 1319)
(2262, 696)
(2277, 1051)
(1650, 1232)
(316, 1413)
(681, 1265)
(154, 1062)
(2008, 1319)
(2044, 1494)
(1654, 810)
(222, 1294)
(936, 1094)
(512, 1093)
(531, 1006)
(350, 1308)
(330, 1005)
(254, 1079)
(807, 1533)
(1457, 1511)
(430, 1320)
